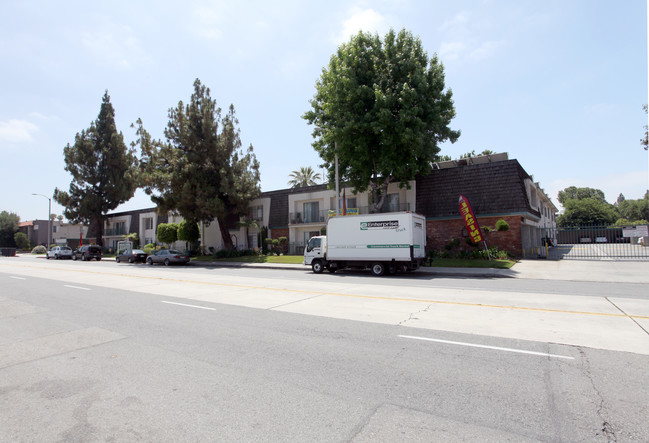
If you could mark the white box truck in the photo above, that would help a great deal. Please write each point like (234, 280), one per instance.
(385, 242)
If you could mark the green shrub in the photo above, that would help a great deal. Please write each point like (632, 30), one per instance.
(40, 249)
(22, 242)
(502, 225)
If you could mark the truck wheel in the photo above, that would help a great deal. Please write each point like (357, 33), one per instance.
(317, 266)
(378, 269)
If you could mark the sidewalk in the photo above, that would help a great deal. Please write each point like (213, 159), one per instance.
(604, 271)
(567, 270)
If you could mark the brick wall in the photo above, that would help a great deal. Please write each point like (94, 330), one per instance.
(440, 232)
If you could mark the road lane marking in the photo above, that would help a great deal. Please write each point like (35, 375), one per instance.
(18, 278)
(495, 348)
(189, 306)
(77, 287)
(336, 294)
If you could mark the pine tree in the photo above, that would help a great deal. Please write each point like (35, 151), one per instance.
(201, 172)
(104, 172)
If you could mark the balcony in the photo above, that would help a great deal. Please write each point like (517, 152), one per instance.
(113, 232)
(301, 218)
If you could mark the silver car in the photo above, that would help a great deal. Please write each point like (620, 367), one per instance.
(168, 257)
(59, 252)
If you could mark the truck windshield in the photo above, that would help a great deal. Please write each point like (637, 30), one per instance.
(314, 243)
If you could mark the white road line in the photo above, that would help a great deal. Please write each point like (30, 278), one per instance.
(18, 278)
(496, 348)
(77, 287)
(189, 306)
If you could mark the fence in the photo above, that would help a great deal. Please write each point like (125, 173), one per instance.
(592, 243)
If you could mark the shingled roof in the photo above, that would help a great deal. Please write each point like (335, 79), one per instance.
(496, 188)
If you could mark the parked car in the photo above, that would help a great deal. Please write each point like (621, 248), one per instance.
(59, 252)
(168, 257)
(131, 256)
(87, 252)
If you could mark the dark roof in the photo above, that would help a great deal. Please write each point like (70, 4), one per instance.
(496, 188)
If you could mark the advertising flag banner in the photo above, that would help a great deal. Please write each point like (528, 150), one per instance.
(344, 203)
(470, 221)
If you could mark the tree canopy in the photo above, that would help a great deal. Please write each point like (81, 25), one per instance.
(588, 206)
(587, 211)
(200, 171)
(575, 193)
(9, 222)
(304, 177)
(382, 107)
(104, 171)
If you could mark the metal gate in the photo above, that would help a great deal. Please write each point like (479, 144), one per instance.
(595, 243)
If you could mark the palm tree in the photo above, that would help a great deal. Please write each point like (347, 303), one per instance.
(304, 177)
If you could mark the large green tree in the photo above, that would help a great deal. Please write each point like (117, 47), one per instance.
(9, 222)
(587, 211)
(104, 172)
(200, 171)
(382, 106)
(575, 193)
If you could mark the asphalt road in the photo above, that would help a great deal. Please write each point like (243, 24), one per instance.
(107, 352)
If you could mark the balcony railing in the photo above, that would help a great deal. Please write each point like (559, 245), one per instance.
(299, 218)
(110, 232)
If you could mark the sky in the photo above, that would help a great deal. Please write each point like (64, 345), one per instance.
(558, 85)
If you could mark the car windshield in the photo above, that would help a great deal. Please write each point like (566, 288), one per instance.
(138, 251)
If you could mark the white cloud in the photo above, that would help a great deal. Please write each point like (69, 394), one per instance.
(114, 45)
(459, 21)
(449, 51)
(484, 51)
(367, 20)
(17, 131)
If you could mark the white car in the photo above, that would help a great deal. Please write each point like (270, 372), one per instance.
(59, 252)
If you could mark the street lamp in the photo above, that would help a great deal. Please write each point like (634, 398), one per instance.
(49, 220)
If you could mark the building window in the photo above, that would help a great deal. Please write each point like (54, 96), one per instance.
(54, 229)
(351, 203)
(256, 213)
(391, 203)
(311, 212)
(148, 223)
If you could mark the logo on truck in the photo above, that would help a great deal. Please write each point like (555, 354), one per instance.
(388, 224)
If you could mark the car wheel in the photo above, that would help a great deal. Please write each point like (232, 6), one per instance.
(378, 269)
(57, 257)
(130, 260)
(116, 259)
(47, 256)
(167, 262)
(74, 257)
(317, 266)
(98, 258)
(83, 258)
(149, 261)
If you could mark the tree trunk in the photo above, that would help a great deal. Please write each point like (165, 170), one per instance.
(225, 234)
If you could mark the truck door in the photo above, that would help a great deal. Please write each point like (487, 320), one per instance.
(313, 249)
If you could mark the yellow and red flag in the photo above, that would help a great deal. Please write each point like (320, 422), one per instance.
(470, 221)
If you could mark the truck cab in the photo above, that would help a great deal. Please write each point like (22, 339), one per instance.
(315, 249)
